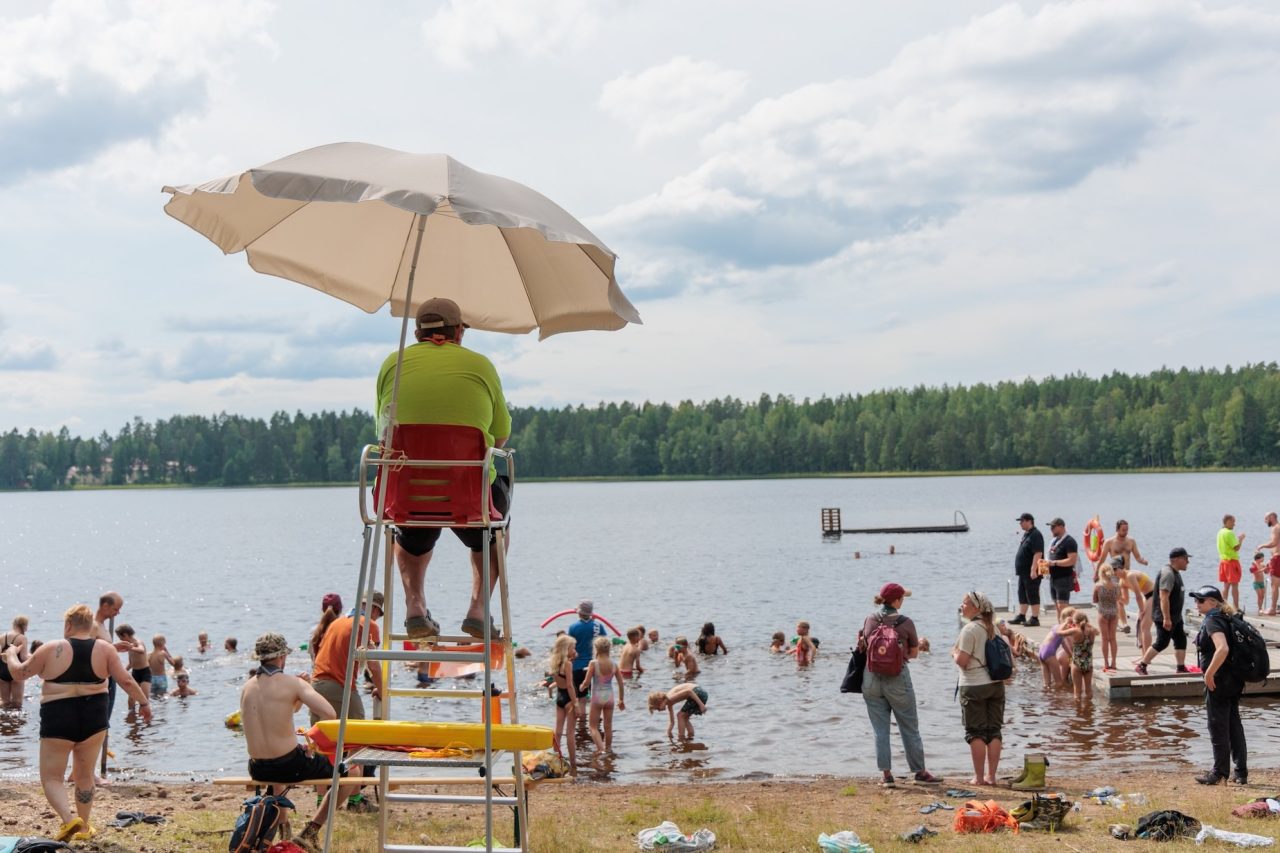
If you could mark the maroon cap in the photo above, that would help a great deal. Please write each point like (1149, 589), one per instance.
(892, 592)
(331, 601)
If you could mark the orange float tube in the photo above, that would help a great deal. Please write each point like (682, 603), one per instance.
(1093, 539)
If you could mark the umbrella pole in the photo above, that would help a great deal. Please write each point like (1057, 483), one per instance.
(360, 630)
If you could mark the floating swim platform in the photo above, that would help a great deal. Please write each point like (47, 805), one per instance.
(831, 525)
(428, 735)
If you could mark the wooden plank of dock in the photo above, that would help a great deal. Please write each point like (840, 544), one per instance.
(1162, 680)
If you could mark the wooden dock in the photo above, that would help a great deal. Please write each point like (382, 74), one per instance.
(1162, 681)
(831, 525)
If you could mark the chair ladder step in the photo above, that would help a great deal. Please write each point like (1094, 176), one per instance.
(418, 657)
(449, 799)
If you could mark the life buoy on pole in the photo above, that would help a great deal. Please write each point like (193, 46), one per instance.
(1093, 539)
(595, 616)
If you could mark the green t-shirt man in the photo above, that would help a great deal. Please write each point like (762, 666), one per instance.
(441, 382)
(1228, 543)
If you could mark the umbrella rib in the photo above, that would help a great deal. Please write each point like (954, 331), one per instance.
(264, 232)
(524, 284)
(583, 250)
(413, 221)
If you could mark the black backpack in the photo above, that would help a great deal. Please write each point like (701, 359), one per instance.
(1249, 658)
(257, 825)
(999, 658)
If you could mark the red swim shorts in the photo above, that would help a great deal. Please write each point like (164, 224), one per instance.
(1229, 571)
(1273, 568)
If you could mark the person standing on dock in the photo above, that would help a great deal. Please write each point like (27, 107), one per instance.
(1122, 546)
(1166, 610)
(1026, 565)
(1273, 566)
(1064, 554)
(1229, 570)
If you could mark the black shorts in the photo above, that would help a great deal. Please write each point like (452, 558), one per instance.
(1028, 589)
(291, 767)
(75, 719)
(1060, 589)
(142, 674)
(419, 540)
(1178, 634)
(579, 676)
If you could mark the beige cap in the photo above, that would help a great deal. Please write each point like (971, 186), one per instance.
(270, 646)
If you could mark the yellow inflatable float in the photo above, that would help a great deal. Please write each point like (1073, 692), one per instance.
(401, 733)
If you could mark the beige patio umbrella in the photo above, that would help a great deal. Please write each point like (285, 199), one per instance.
(352, 219)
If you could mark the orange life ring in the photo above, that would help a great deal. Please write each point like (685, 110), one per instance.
(1093, 539)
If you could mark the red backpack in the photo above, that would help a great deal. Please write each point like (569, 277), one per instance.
(885, 651)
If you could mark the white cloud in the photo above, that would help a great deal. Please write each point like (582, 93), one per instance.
(1009, 103)
(464, 29)
(78, 77)
(676, 97)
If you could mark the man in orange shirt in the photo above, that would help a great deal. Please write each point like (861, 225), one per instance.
(330, 669)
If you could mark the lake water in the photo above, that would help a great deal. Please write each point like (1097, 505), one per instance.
(747, 555)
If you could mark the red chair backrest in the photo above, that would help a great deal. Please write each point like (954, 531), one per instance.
(444, 495)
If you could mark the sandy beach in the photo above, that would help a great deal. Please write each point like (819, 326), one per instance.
(761, 816)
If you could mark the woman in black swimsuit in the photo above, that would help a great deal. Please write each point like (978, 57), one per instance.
(11, 688)
(73, 712)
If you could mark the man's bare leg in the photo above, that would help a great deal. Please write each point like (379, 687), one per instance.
(413, 575)
(476, 609)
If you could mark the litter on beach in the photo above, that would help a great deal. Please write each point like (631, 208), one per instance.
(667, 836)
(845, 841)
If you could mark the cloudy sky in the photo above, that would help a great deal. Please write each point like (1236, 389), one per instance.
(807, 198)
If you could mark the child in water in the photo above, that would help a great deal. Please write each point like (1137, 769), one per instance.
(183, 689)
(157, 660)
(561, 666)
(1259, 572)
(695, 702)
(1106, 595)
(804, 650)
(138, 666)
(229, 645)
(1082, 635)
(1050, 667)
(629, 660)
(778, 643)
(601, 674)
(684, 657)
(709, 643)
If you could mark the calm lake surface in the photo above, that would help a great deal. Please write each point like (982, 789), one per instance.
(747, 555)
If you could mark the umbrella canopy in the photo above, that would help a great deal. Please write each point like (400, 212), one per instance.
(350, 218)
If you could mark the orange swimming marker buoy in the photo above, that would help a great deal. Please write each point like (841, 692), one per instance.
(1093, 539)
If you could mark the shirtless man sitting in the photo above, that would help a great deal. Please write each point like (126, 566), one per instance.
(1126, 549)
(268, 702)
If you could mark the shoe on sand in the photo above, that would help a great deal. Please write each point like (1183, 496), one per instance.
(421, 627)
(85, 835)
(69, 829)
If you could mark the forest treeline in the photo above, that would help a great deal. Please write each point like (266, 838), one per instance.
(1167, 419)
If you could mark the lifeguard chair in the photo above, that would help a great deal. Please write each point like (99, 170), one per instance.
(434, 475)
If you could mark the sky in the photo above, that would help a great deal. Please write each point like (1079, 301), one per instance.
(810, 198)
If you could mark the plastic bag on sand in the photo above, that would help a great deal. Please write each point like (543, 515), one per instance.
(845, 841)
(667, 836)
(1239, 839)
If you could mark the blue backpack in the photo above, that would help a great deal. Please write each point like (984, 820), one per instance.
(257, 825)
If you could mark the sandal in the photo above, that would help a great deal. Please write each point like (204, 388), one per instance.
(68, 829)
(473, 627)
(421, 627)
(89, 832)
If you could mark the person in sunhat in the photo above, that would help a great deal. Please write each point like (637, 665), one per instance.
(1222, 689)
(981, 698)
(442, 382)
(267, 702)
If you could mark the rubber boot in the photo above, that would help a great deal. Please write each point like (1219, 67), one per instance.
(1033, 771)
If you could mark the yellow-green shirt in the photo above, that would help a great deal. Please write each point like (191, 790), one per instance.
(1228, 544)
(445, 384)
